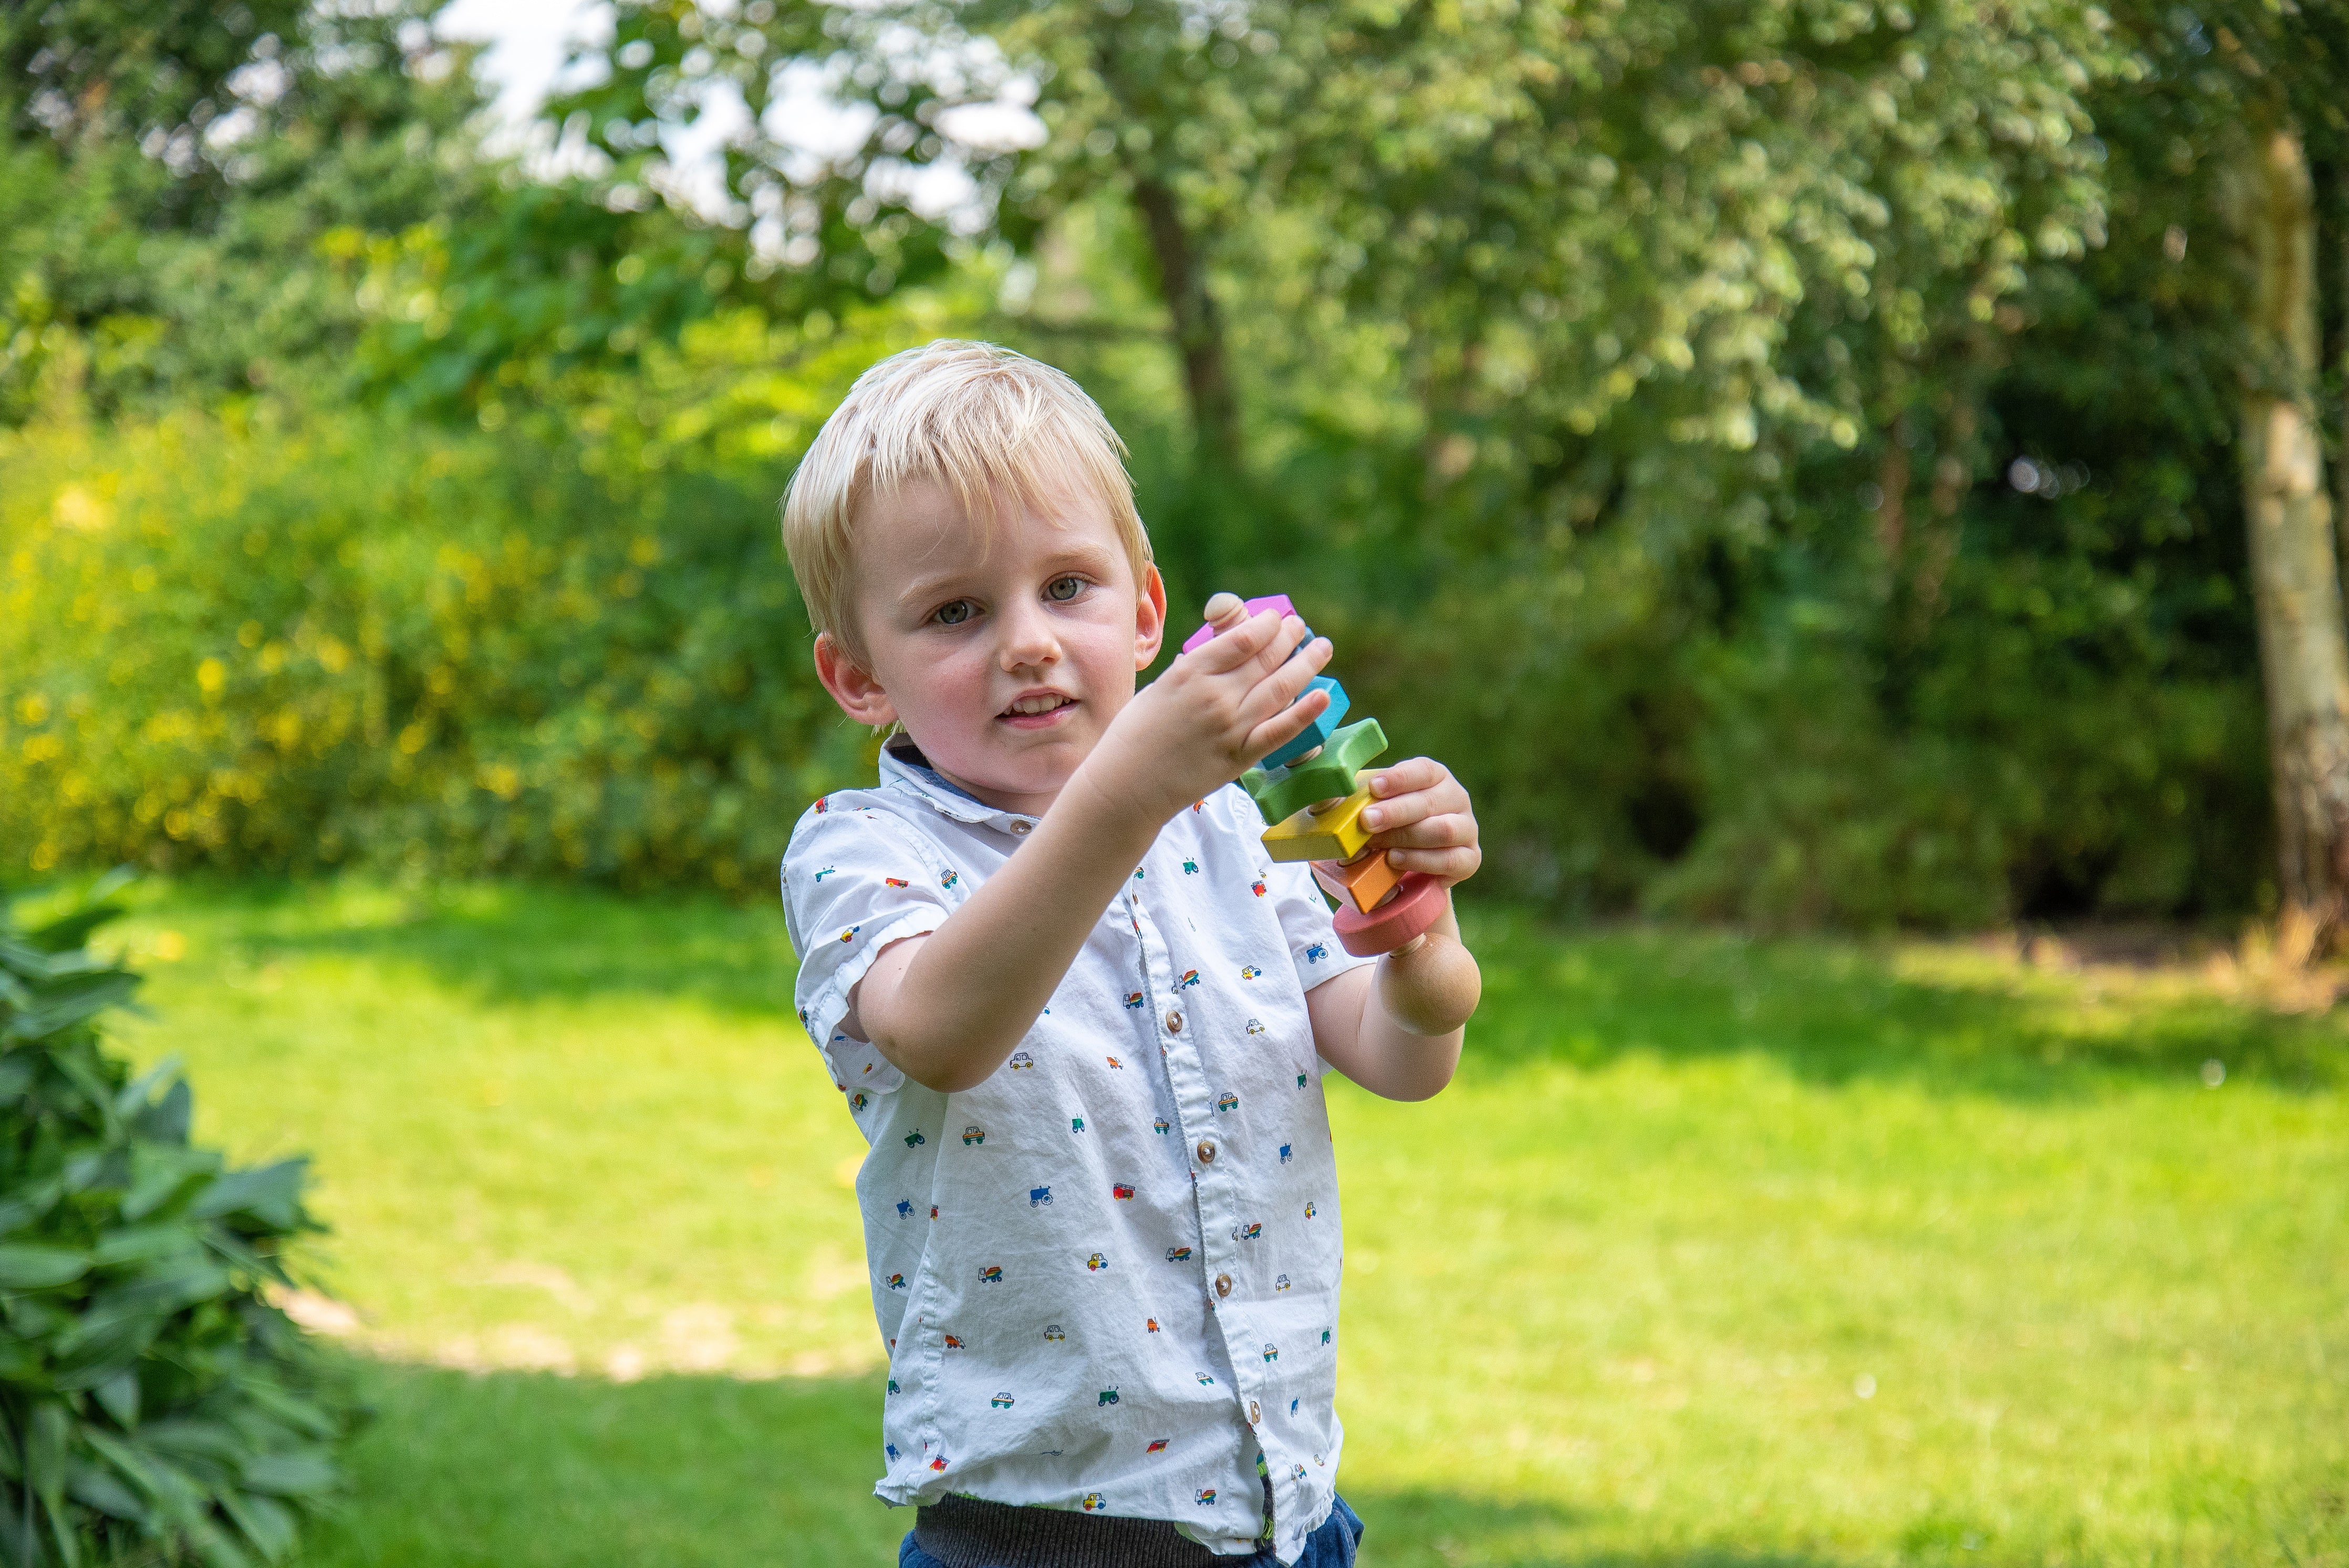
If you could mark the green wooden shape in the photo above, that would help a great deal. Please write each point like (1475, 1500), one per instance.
(1327, 775)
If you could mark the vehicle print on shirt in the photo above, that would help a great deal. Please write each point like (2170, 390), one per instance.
(1020, 1062)
(1121, 1189)
(822, 804)
(1301, 1080)
(904, 1208)
(1161, 1125)
(1299, 1471)
(1256, 887)
(1315, 953)
(893, 1386)
(954, 1344)
(1108, 1397)
(1227, 1101)
(1054, 1333)
(939, 1463)
(896, 882)
(857, 1101)
(1133, 998)
(950, 879)
(1285, 1155)
(1247, 1232)
(827, 872)
(1096, 1263)
(1039, 1198)
(1205, 1381)
(992, 1274)
(1249, 972)
(849, 934)
(1157, 1445)
(896, 1281)
(1093, 1502)
(1271, 1351)
(1256, 1027)
(1190, 867)
(915, 1140)
(1150, 1323)
(934, 1210)
(1003, 1402)
(1281, 1282)
(1190, 978)
(1076, 1124)
(1114, 1063)
(1325, 1337)
(891, 1450)
(1206, 1497)
(1179, 1254)
(1309, 1210)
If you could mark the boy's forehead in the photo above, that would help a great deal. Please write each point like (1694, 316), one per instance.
(924, 531)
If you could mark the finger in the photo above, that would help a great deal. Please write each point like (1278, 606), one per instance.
(1410, 773)
(1229, 650)
(1288, 721)
(1448, 831)
(1284, 686)
(1445, 865)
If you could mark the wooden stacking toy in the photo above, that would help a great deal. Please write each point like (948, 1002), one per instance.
(1312, 792)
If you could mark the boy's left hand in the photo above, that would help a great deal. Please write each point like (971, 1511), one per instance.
(1421, 814)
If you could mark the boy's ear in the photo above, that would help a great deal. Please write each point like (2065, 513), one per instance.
(859, 695)
(1149, 619)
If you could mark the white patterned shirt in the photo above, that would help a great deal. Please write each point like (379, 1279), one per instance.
(1108, 1275)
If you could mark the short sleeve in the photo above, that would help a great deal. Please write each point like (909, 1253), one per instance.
(1303, 911)
(853, 882)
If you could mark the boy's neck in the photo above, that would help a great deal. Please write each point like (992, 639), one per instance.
(903, 747)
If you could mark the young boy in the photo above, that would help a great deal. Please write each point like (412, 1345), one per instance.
(1079, 1015)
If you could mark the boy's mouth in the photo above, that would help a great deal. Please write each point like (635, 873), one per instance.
(1037, 709)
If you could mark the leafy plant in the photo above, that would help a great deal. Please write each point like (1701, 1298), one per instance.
(154, 1405)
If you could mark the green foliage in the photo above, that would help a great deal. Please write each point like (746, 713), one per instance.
(150, 1398)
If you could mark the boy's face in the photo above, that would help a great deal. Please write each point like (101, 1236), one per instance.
(1005, 655)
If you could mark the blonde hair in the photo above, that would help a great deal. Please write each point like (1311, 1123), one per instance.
(983, 422)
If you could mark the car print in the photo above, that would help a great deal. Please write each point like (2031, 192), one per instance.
(1120, 1189)
(1284, 1153)
(1114, 1063)
(1247, 1232)
(1249, 972)
(1280, 1283)
(1020, 1061)
(1054, 1333)
(1299, 1470)
(1134, 999)
(971, 1134)
(948, 880)
(939, 1463)
(1108, 1397)
(1206, 1497)
(1227, 1101)
(822, 804)
(1040, 1197)
(954, 1344)
(1157, 1445)
(1096, 1263)
(1190, 868)
(1150, 1323)
(1003, 1402)
(934, 1210)
(1162, 1125)
(1308, 1210)
(1271, 1352)
(849, 934)
(914, 1140)
(1205, 1381)
(1316, 953)
(896, 882)
(1190, 977)
(1256, 1027)
(1256, 887)
(896, 1281)
(1094, 1501)
(992, 1274)
(1179, 1254)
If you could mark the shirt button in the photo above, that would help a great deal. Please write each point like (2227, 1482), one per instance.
(1256, 1413)
(1206, 1152)
(1173, 1020)
(1223, 1284)
(1020, 829)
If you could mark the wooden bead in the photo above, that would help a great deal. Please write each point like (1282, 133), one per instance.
(1418, 904)
(1281, 793)
(1365, 882)
(1278, 603)
(1337, 834)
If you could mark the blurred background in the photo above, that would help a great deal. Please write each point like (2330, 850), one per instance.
(1798, 461)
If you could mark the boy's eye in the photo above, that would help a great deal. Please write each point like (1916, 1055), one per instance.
(1063, 589)
(954, 614)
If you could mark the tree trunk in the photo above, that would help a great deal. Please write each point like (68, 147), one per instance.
(2295, 573)
(1198, 325)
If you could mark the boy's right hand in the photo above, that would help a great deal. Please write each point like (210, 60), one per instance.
(1213, 715)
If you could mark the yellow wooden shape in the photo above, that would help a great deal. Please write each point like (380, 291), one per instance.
(1337, 834)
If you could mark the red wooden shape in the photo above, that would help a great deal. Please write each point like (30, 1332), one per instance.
(1416, 906)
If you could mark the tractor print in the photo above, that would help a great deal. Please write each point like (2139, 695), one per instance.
(973, 1134)
(1179, 1254)
(1281, 1283)
(1054, 1333)
(1121, 1190)
(954, 1344)
(1247, 1232)
(1190, 867)
(1039, 1198)
(1325, 1337)
(849, 934)
(992, 1274)
(1227, 1101)
(1096, 1263)
(1020, 1062)
(896, 1281)
(1157, 1445)
(1271, 1351)
(896, 882)
(914, 1140)
(1076, 1124)
(1093, 1502)
(1249, 972)
(1134, 999)
(1301, 1080)
(1206, 1497)
(1162, 1125)
(1285, 1155)
(893, 1386)
(1108, 1397)
(948, 880)
(1190, 977)
(904, 1208)
(1256, 1027)
(1316, 953)
(1003, 1402)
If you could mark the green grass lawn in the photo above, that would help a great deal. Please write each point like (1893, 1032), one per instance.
(1758, 1255)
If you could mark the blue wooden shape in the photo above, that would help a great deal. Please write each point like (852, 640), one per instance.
(1318, 733)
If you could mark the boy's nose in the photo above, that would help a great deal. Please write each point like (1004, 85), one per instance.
(1027, 640)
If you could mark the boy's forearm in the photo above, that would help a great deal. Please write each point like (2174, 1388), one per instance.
(953, 1010)
(1397, 1029)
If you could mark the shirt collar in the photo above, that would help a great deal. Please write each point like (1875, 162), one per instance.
(903, 767)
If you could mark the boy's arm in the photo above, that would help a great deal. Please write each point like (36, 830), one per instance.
(946, 1007)
(1395, 1028)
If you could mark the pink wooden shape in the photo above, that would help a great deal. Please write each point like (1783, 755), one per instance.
(1278, 602)
(1416, 905)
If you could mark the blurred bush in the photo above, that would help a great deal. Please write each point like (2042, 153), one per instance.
(154, 1406)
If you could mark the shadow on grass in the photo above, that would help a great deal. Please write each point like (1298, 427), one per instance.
(1836, 1012)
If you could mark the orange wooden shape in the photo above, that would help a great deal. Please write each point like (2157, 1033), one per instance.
(1366, 880)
